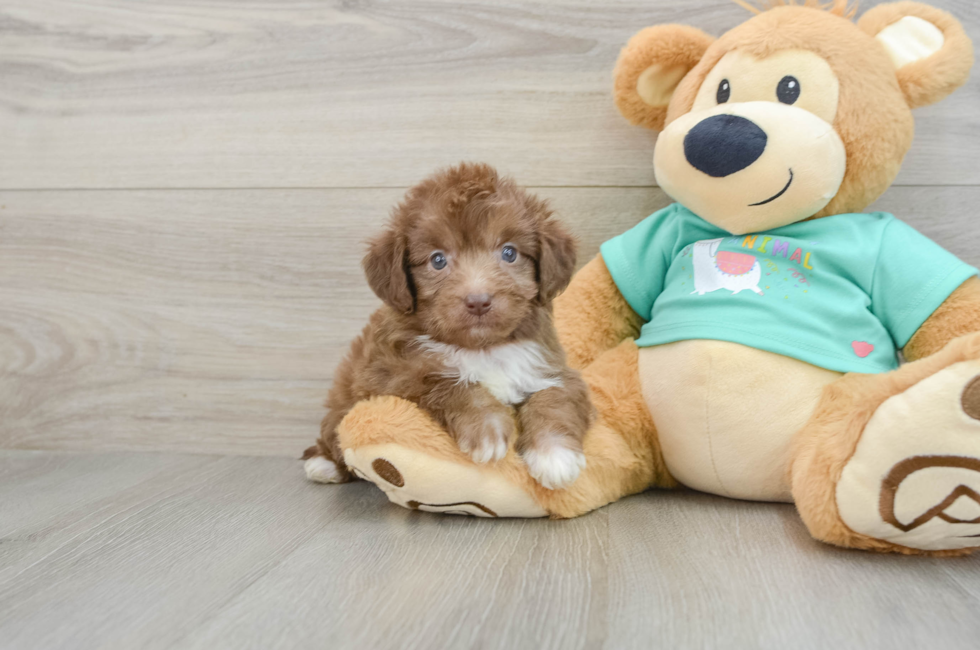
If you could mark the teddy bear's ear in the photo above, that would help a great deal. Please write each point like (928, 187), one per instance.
(931, 52)
(649, 68)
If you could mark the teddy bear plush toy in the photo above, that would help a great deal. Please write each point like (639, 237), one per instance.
(743, 341)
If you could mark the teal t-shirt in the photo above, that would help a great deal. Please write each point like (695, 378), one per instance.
(842, 292)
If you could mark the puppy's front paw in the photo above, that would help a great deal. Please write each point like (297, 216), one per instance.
(554, 466)
(322, 470)
(485, 437)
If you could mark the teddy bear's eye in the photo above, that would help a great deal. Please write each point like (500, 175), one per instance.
(509, 254)
(788, 90)
(724, 91)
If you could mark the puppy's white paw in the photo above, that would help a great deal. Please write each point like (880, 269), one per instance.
(322, 470)
(491, 443)
(489, 450)
(554, 467)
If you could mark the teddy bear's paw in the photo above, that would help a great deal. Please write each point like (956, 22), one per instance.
(421, 481)
(323, 470)
(914, 478)
(554, 466)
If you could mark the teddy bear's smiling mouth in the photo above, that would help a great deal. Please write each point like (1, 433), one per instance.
(777, 194)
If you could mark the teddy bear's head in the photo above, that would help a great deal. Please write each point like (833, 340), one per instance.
(797, 112)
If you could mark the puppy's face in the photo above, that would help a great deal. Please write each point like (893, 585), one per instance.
(470, 255)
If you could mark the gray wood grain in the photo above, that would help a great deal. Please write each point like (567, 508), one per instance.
(204, 320)
(140, 567)
(211, 321)
(40, 506)
(232, 93)
(420, 582)
(210, 552)
(752, 577)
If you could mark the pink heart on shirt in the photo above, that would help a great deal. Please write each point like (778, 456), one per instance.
(862, 348)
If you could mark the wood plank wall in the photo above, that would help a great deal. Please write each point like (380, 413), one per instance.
(185, 187)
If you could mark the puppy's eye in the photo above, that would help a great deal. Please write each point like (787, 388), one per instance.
(508, 254)
(788, 90)
(724, 91)
(438, 261)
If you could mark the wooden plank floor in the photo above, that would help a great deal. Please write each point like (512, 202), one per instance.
(137, 550)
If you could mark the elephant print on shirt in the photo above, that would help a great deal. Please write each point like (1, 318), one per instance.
(725, 270)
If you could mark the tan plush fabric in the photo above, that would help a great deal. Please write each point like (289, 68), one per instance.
(622, 449)
(592, 316)
(958, 315)
(726, 414)
(928, 450)
(930, 79)
(797, 140)
(669, 51)
(417, 480)
(872, 119)
(825, 445)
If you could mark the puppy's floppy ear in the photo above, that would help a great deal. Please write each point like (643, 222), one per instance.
(649, 68)
(931, 52)
(556, 261)
(387, 270)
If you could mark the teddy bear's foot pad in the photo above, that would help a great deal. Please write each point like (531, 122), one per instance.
(914, 478)
(419, 481)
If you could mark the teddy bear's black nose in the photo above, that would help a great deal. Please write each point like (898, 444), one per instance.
(724, 144)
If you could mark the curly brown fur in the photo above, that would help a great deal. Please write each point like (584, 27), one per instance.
(468, 268)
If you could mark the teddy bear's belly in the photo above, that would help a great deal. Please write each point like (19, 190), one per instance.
(726, 413)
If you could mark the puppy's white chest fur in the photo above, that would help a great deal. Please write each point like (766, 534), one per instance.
(511, 372)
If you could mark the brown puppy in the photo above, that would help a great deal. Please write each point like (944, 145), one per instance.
(467, 269)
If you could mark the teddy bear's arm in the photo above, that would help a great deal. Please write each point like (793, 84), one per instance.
(592, 316)
(958, 315)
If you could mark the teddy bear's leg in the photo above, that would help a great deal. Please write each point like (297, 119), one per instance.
(397, 446)
(891, 462)
(401, 449)
(622, 449)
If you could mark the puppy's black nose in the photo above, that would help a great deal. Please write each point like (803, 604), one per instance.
(724, 144)
(478, 303)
